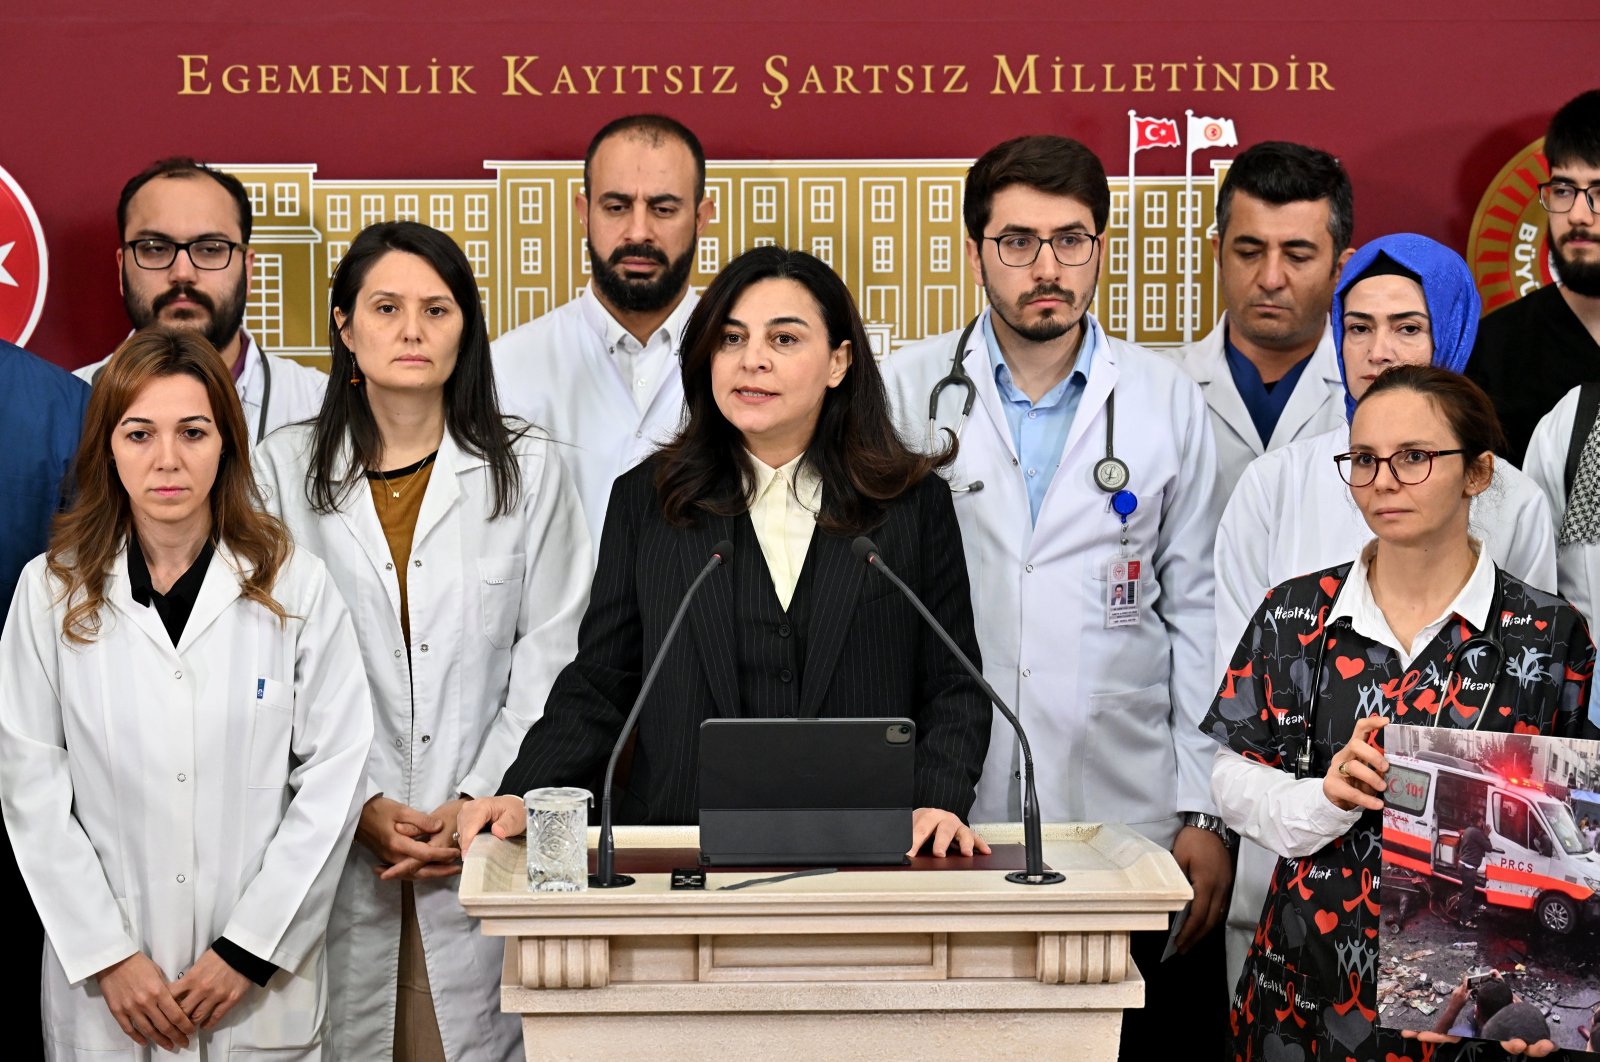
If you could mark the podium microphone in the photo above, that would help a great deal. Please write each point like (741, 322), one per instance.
(606, 876)
(1033, 844)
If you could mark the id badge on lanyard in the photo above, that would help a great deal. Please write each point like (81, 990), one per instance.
(1123, 571)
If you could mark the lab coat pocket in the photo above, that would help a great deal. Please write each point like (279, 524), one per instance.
(1133, 772)
(501, 587)
(271, 724)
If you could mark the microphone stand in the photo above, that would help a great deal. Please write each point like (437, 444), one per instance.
(605, 875)
(1032, 832)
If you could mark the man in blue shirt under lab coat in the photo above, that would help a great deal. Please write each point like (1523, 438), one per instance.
(41, 417)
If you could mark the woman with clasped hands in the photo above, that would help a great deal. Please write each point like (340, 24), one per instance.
(789, 453)
(458, 539)
(184, 725)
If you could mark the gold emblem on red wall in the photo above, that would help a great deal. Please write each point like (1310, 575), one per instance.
(1509, 247)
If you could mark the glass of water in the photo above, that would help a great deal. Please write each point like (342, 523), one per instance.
(558, 831)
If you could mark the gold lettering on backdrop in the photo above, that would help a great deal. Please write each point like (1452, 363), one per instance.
(1030, 74)
(1027, 76)
(1014, 81)
(516, 84)
(194, 69)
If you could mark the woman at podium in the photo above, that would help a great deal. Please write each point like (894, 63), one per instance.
(788, 452)
(184, 726)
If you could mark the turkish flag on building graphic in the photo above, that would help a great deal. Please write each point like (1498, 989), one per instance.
(1154, 132)
(23, 263)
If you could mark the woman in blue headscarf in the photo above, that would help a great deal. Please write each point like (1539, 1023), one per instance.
(1291, 512)
(1375, 637)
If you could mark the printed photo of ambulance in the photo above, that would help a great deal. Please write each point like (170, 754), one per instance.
(1541, 864)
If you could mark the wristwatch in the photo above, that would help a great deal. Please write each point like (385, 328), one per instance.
(1200, 820)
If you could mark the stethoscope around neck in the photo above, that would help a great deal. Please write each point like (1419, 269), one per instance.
(1110, 472)
(1300, 747)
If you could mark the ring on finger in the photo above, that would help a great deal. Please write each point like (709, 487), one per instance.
(1344, 771)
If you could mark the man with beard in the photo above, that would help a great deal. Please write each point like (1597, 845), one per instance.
(185, 262)
(1533, 351)
(1284, 221)
(600, 373)
(1087, 464)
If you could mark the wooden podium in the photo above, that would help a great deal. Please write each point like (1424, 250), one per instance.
(858, 964)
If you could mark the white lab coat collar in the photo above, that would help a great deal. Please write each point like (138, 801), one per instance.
(443, 491)
(611, 331)
(218, 590)
(251, 376)
(1102, 377)
(1209, 368)
(1356, 605)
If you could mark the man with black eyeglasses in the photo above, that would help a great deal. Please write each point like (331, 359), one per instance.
(1535, 350)
(185, 262)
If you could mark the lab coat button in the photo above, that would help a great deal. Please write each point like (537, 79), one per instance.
(399, 743)
(638, 435)
(426, 738)
(389, 567)
(1026, 672)
(182, 879)
(1028, 567)
(177, 674)
(397, 654)
(183, 778)
(416, 563)
(424, 647)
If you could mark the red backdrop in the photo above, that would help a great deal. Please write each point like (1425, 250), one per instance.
(1427, 100)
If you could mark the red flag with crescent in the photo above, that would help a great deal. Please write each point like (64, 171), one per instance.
(1154, 133)
(22, 263)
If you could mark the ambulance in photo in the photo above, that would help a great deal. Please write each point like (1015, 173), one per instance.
(1541, 864)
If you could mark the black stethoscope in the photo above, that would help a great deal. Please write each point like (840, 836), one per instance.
(1110, 472)
(1301, 747)
(266, 391)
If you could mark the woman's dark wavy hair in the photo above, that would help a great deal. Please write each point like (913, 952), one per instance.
(471, 407)
(855, 451)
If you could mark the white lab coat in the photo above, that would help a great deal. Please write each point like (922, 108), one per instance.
(296, 389)
(1315, 406)
(1291, 514)
(494, 608)
(1112, 715)
(1577, 563)
(560, 373)
(160, 797)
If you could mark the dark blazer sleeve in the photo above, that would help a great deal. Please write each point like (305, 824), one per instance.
(571, 741)
(953, 723)
(1574, 714)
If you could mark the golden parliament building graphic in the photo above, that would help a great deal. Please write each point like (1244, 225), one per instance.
(891, 228)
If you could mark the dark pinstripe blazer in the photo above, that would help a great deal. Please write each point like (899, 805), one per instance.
(867, 654)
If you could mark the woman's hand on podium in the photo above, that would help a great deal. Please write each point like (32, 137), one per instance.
(138, 997)
(943, 828)
(503, 816)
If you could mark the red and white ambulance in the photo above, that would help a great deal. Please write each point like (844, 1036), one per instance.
(1542, 864)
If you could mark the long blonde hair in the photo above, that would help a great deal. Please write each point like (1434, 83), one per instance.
(85, 539)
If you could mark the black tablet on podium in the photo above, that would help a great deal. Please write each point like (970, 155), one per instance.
(806, 792)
